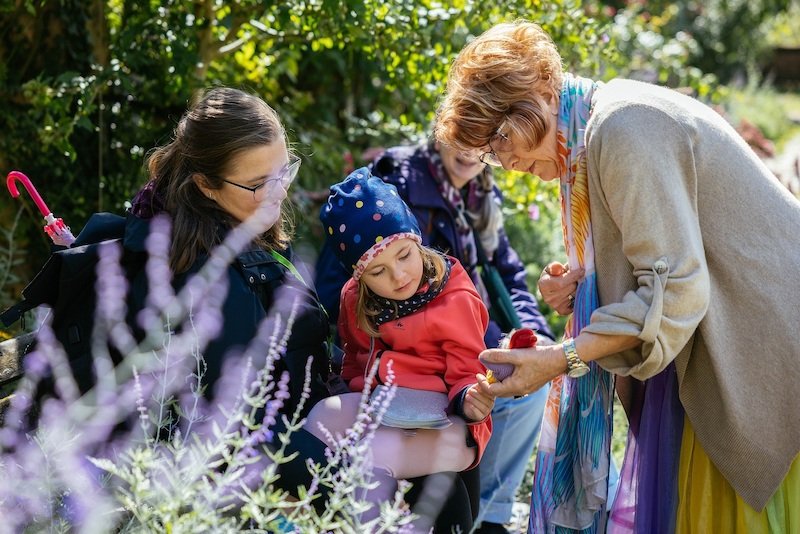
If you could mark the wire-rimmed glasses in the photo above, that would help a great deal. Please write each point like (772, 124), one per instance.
(491, 157)
(284, 178)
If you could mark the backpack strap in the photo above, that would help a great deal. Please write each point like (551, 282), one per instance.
(12, 314)
(280, 258)
(43, 289)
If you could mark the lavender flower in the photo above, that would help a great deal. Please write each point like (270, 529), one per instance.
(185, 464)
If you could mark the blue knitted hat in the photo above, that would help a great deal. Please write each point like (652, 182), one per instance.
(362, 217)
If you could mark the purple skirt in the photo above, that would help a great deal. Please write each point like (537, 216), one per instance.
(647, 496)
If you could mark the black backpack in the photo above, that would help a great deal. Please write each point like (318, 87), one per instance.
(67, 284)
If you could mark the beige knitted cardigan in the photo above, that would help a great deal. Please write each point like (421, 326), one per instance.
(697, 254)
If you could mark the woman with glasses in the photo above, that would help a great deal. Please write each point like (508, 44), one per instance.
(229, 163)
(684, 271)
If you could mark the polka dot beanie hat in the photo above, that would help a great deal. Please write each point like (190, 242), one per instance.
(362, 217)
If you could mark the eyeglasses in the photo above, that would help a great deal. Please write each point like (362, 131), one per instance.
(284, 179)
(491, 157)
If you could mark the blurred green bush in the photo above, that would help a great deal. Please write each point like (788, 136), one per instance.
(89, 87)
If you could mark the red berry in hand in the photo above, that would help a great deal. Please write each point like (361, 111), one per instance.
(522, 338)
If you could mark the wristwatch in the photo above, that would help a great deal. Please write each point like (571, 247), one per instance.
(576, 367)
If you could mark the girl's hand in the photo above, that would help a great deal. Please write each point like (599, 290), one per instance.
(558, 285)
(478, 402)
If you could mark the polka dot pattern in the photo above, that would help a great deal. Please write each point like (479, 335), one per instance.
(362, 214)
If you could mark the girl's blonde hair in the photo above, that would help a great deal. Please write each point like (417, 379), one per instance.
(500, 82)
(367, 305)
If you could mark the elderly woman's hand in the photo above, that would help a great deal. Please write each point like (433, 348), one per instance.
(558, 284)
(533, 368)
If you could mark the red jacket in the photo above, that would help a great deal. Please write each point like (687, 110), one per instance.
(435, 348)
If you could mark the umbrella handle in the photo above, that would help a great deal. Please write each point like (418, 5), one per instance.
(13, 176)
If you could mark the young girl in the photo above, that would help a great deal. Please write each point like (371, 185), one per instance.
(412, 306)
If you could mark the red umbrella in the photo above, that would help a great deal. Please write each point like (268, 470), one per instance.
(55, 227)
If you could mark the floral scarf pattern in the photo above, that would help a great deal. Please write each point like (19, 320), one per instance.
(147, 202)
(570, 486)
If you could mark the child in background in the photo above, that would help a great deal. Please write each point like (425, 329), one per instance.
(413, 306)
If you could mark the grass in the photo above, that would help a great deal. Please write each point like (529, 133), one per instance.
(775, 112)
(620, 436)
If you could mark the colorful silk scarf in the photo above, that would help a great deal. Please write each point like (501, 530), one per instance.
(571, 481)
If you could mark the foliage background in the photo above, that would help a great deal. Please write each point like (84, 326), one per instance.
(89, 86)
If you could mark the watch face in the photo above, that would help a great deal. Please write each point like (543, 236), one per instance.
(578, 371)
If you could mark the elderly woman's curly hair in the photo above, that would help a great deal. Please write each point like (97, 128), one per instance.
(500, 82)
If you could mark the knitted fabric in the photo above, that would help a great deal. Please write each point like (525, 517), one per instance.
(361, 214)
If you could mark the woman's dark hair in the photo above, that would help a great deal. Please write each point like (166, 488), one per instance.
(222, 123)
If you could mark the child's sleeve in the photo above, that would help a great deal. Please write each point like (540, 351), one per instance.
(355, 343)
(461, 326)
(461, 331)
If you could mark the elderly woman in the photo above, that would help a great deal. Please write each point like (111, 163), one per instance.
(683, 272)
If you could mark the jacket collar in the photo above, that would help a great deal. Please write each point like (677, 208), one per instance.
(421, 188)
(136, 232)
(137, 229)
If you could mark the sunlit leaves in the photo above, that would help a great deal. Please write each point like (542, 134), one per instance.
(345, 75)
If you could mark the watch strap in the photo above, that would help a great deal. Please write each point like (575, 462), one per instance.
(575, 366)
